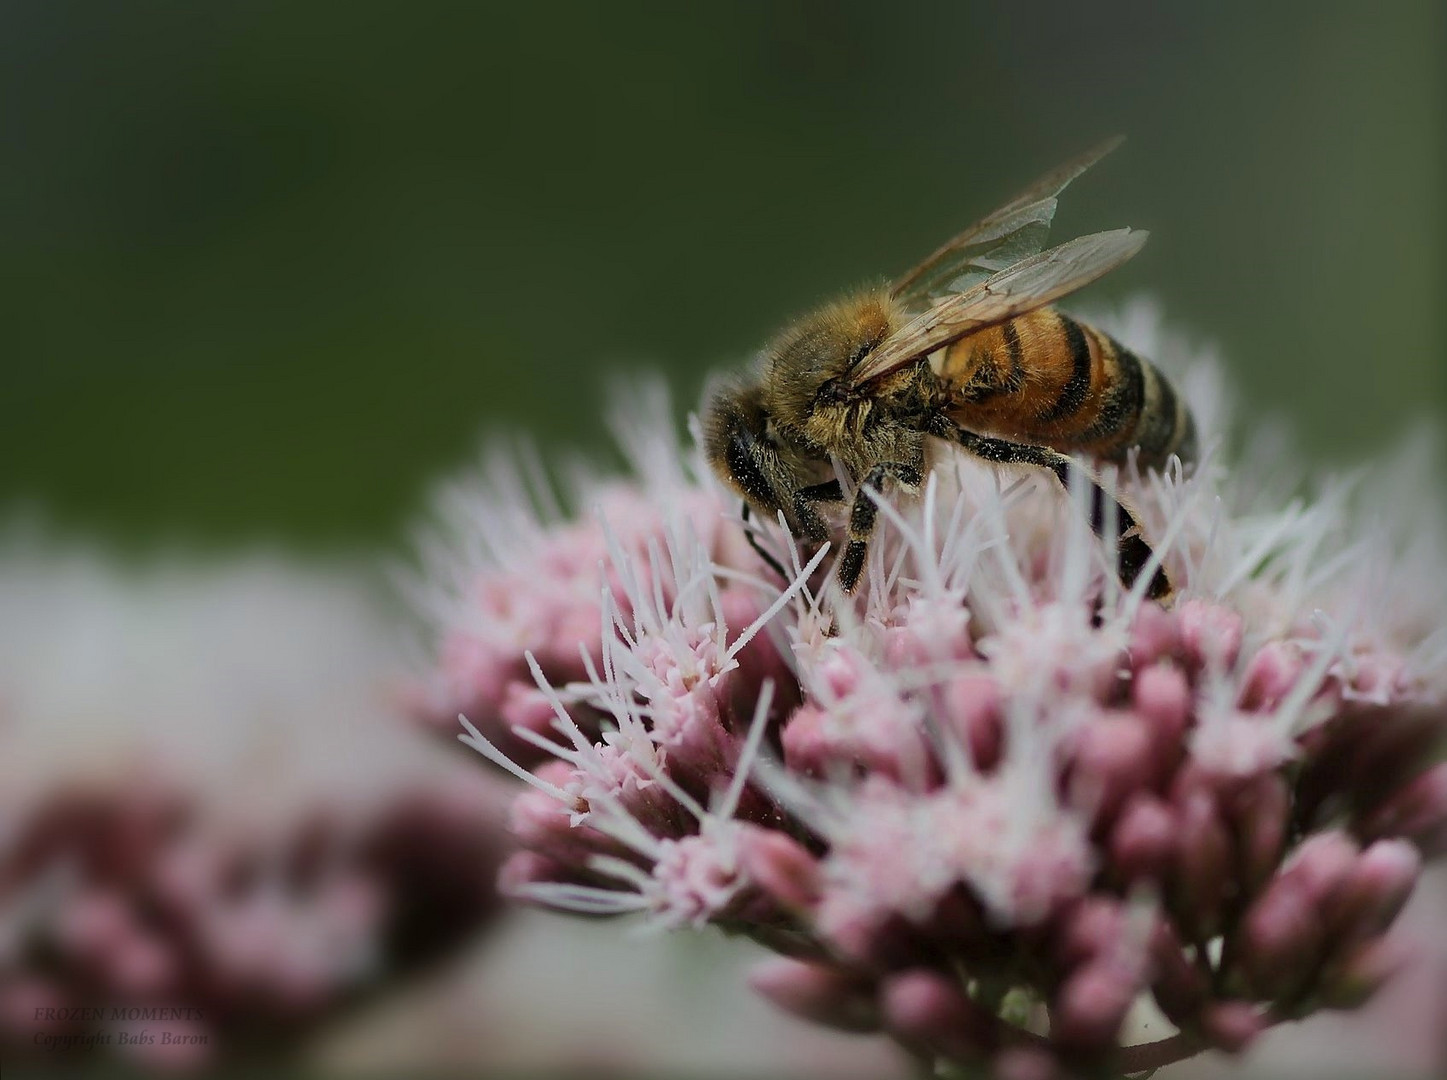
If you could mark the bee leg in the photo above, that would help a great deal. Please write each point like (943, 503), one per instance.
(828, 492)
(749, 535)
(863, 512)
(1132, 551)
(810, 524)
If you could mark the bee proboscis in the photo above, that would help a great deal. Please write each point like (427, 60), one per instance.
(964, 348)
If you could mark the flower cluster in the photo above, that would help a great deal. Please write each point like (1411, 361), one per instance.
(213, 837)
(996, 805)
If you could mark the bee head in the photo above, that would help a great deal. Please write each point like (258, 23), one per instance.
(806, 367)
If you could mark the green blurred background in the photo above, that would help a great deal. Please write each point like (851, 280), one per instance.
(267, 268)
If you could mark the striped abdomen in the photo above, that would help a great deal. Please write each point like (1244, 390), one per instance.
(1044, 378)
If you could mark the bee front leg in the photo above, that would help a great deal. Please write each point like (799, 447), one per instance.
(1132, 551)
(864, 511)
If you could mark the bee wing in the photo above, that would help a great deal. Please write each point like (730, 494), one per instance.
(1015, 231)
(1029, 284)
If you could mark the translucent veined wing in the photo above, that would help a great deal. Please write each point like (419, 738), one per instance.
(1031, 283)
(1015, 231)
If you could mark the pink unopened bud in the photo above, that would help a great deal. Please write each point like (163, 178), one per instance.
(1112, 759)
(1210, 633)
(1162, 696)
(972, 704)
(880, 734)
(1417, 812)
(1282, 938)
(1179, 987)
(806, 747)
(1092, 1004)
(926, 1008)
(1368, 967)
(781, 867)
(1143, 842)
(934, 630)
(1203, 861)
(822, 993)
(1260, 814)
(1269, 677)
(1376, 890)
(1155, 634)
(1232, 1025)
(1322, 864)
(1093, 929)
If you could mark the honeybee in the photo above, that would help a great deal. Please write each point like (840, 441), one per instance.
(963, 348)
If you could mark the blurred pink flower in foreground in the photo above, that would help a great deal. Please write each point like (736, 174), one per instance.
(995, 806)
(213, 833)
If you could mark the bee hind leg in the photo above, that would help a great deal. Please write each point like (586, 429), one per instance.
(1132, 551)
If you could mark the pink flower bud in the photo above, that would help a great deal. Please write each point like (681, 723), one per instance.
(1269, 677)
(934, 630)
(1162, 697)
(1203, 861)
(1260, 814)
(972, 706)
(1210, 633)
(1232, 1025)
(822, 993)
(1417, 812)
(1281, 939)
(1179, 987)
(1155, 635)
(926, 1008)
(1112, 759)
(781, 867)
(1093, 928)
(1322, 864)
(1376, 889)
(806, 747)
(1351, 982)
(1143, 842)
(873, 731)
(1091, 1005)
